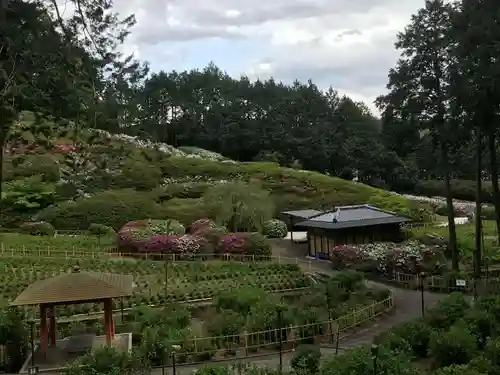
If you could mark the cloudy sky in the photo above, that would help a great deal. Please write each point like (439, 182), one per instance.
(347, 44)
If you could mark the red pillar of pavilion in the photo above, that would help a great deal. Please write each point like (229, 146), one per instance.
(43, 329)
(52, 325)
(108, 321)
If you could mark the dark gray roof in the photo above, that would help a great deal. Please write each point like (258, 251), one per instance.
(352, 216)
(304, 214)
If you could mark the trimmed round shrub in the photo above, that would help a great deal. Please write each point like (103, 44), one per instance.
(233, 243)
(132, 236)
(212, 237)
(256, 244)
(101, 230)
(275, 228)
(184, 244)
(166, 227)
(113, 208)
(244, 243)
(39, 228)
(201, 225)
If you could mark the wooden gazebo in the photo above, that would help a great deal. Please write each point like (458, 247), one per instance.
(74, 288)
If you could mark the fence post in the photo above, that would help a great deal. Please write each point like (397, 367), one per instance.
(245, 338)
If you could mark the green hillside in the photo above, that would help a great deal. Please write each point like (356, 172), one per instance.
(112, 179)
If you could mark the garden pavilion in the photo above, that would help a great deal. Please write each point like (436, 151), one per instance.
(74, 288)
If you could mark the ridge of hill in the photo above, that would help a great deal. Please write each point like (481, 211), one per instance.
(114, 178)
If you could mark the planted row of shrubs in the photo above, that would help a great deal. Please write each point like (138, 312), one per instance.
(203, 236)
(42, 228)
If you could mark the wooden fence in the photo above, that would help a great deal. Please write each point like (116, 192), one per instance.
(199, 349)
(75, 254)
(443, 284)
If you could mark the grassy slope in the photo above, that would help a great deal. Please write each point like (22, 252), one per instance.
(291, 189)
(188, 177)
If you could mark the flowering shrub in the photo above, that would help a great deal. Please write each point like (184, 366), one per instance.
(212, 237)
(159, 244)
(438, 203)
(132, 236)
(166, 227)
(189, 152)
(188, 244)
(275, 229)
(410, 257)
(201, 225)
(233, 243)
(184, 244)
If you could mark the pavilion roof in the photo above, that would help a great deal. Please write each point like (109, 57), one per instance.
(76, 287)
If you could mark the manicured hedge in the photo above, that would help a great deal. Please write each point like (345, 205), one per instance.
(113, 208)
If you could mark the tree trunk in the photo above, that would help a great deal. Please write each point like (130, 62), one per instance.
(2, 146)
(478, 219)
(494, 179)
(452, 230)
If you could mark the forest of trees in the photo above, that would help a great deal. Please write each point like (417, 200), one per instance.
(85, 80)
(438, 119)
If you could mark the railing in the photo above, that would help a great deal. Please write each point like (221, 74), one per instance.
(75, 254)
(292, 335)
(442, 284)
(199, 302)
(246, 344)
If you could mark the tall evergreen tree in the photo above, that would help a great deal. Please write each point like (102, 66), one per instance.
(419, 89)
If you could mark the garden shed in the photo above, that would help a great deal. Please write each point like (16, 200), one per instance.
(346, 225)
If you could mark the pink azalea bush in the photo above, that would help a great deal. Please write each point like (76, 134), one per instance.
(173, 244)
(132, 236)
(233, 243)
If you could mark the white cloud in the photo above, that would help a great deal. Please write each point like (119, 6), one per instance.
(345, 44)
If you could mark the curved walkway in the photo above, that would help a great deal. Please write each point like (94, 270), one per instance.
(408, 307)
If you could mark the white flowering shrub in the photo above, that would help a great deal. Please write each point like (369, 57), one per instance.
(204, 154)
(410, 257)
(439, 202)
(275, 228)
(166, 227)
(188, 152)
